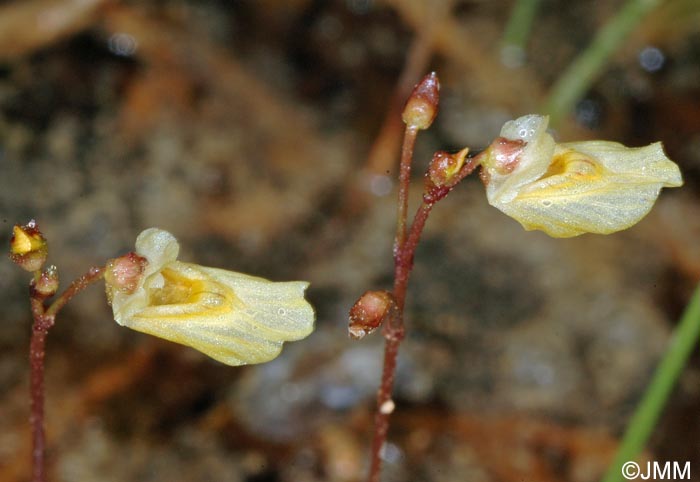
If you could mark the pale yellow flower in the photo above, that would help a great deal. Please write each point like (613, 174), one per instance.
(232, 317)
(573, 188)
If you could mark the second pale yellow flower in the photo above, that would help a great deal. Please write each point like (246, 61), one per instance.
(573, 188)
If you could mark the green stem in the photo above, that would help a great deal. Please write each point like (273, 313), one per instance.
(684, 339)
(520, 23)
(581, 73)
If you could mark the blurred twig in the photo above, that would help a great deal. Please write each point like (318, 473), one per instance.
(26, 26)
(382, 157)
(292, 151)
(472, 53)
(685, 338)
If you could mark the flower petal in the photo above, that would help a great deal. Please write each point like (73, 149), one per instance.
(158, 247)
(640, 163)
(573, 188)
(232, 317)
(601, 187)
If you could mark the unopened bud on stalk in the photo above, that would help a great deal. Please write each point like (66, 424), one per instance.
(422, 105)
(368, 313)
(444, 167)
(28, 248)
(444, 172)
(46, 284)
(124, 274)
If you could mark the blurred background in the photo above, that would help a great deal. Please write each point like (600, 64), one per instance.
(264, 135)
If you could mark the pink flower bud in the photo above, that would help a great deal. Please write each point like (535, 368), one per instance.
(47, 283)
(444, 167)
(125, 273)
(368, 312)
(444, 172)
(422, 106)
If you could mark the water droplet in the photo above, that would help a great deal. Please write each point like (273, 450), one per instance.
(213, 300)
(122, 44)
(391, 453)
(589, 112)
(651, 59)
(281, 311)
(380, 185)
(512, 56)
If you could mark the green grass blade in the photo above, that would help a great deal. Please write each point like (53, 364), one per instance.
(685, 337)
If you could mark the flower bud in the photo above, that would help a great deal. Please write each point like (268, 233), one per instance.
(422, 105)
(368, 313)
(444, 167)
(124, 274)
(47, 283)
(504, 155)
(444, 172)
(28, 248)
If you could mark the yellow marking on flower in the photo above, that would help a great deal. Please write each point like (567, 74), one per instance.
(24, 242)
(232, 317)
(574, 188)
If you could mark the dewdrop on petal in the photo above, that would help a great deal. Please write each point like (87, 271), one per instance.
(232, 317)
(572, 188)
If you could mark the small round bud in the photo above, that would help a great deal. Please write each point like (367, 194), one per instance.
(444, 167)
(47, 283)
(444, 173)
(504, 155)
(28, 248)
(422, 105)
(124, 273)
(368, 313)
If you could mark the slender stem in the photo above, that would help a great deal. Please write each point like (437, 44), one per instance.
(409, 142)
(685, 337)
(394, 334)
(394, 326)
(404, 262)
(36, 419)
(43, 321)
(93, 274)
(586, 67)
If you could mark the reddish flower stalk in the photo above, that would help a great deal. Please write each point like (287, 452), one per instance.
(44, 319)
(445, 172)
(418, 114)
(409, 142)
